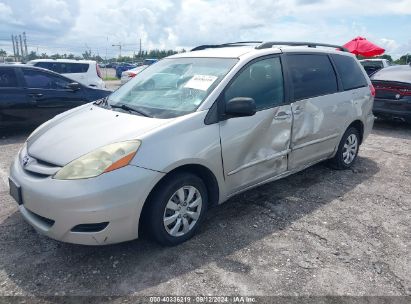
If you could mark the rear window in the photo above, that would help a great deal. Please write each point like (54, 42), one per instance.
(8, 78)
(312, 75)
(351, 75)
(63, 67)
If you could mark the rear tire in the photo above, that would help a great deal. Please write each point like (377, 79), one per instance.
(347, 150)
(176, 209)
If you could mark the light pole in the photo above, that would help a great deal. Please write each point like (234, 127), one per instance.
(119, 45)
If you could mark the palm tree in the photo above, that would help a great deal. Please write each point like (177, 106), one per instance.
(3, 54)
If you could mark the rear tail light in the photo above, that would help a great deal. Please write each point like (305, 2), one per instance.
(132, 74)
(372, 89)
(397, 88)
(98, 71)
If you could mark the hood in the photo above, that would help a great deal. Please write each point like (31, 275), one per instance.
(76, 133)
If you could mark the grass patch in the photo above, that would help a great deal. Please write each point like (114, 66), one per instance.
(108, 78)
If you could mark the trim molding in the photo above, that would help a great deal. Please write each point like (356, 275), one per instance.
(313, 142)
(256, 162)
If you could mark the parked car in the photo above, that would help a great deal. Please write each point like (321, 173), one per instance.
(228, 119)
(373, 65)
(86, 72)
(127, 75)
(29, 96)
(393, 93)
(124, 67)
(149, 61)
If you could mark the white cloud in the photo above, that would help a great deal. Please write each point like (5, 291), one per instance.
(6, 14)
(73, 26)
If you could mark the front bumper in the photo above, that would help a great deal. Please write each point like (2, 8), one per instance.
(55, 207)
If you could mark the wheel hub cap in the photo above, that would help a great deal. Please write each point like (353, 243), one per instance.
(350, 149)
(182, 211)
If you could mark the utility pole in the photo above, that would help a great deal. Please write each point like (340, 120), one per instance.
(14, 47)
(21, 47)
(139, 52)
(105, 68)
(25, 43)
(17, 48)
(119, 45)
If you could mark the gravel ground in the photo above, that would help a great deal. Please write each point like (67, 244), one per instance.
(318, 232)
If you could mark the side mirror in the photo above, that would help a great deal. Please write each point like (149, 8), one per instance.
(240, 107)
(74, 86)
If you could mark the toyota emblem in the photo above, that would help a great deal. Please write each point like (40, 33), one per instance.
(26, 160)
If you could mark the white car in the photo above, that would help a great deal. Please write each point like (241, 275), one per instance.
(127, 75)
(86, 72)
(373, 65)
(188, 133)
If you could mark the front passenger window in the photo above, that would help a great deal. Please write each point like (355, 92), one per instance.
(262, 81)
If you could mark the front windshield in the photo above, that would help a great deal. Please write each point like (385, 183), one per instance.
(172, 87)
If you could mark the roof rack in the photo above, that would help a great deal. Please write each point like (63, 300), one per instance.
(270, 44)
(230, 44)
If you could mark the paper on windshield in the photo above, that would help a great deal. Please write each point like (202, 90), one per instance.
(200, 82)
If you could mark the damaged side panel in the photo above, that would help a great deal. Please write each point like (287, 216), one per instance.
(255, 148)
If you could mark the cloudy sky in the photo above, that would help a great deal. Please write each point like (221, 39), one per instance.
(66, 26)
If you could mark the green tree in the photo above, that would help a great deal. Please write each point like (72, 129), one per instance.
(31, 56)
(3, 54)
(86, 55)
(404, 59)
(386, 56)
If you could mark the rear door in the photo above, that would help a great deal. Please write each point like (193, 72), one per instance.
(14, 107)
(255, 148)
(318, 110)
(49, 93)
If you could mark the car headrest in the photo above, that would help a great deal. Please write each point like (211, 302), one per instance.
(258, 73)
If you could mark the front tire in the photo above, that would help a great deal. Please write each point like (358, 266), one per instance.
(176, 209)
(347, 150)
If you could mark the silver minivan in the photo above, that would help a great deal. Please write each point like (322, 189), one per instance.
(188, 133)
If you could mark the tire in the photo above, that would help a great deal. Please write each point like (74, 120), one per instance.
(173, 217)
(350, 143)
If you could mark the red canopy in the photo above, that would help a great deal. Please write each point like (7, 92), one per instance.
(361, 46)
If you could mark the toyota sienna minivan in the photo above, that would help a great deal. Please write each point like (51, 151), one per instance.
(188, 133)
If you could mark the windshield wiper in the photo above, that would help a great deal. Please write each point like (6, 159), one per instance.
(130, 109)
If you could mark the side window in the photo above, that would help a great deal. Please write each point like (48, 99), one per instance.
(44, 65)
(8, 78)
(312, 75)
(262, 81)
(64, 67)
(73, 68)
(42, 80)
(351, 75)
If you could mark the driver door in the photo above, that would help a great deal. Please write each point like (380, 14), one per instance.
(255, 148)
(49, 94)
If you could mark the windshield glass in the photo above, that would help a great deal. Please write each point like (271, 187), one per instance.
(172, 87)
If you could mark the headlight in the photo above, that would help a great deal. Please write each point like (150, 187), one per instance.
(100, 161)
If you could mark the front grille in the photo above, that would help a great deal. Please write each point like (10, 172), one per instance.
(96, 227)
(37, 167)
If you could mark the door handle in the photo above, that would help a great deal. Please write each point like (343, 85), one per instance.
(36, 95)
(282, 115)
